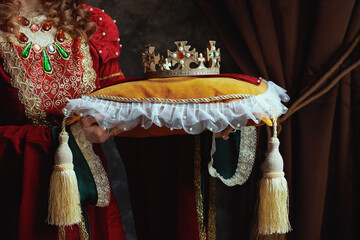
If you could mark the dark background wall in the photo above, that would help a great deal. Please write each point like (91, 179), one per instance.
(161, 23)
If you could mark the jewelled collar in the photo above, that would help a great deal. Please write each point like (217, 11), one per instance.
(40, 36)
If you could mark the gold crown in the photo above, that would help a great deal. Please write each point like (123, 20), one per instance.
(182, 62)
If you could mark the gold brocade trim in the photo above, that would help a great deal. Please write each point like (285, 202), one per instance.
(246, 158)
(198, 195)
(84, 235)
(248, 139)
(96, 167)
(111, 76)
(19, 80)
(42, 92)
(212, 210)
(89, 75)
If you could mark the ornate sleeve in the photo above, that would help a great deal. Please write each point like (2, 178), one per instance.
(106, 43)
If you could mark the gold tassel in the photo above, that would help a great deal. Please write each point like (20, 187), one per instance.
(273, 213)
(64, 198)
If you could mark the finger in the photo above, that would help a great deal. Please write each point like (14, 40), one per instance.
(218, 134)
(99, 117)
(225, 137)
(96, 134)
(115, 131)
(111, 133)
(87, 121)
(227, 131)
(224, 132)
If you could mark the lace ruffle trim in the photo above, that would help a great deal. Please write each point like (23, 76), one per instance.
(192, 117)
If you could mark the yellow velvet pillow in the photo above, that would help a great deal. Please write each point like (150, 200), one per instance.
(184, 90)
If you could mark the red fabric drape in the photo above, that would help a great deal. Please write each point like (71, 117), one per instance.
(293, 43)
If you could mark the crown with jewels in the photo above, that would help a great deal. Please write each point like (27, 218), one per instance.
(182, 62)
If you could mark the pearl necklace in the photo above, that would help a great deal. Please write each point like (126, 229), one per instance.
(50, 49)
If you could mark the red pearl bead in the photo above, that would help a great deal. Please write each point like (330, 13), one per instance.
(24, 21)
(23, 38)
(60, 37)
(46, 26)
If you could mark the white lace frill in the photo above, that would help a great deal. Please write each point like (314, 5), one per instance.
(192, 117)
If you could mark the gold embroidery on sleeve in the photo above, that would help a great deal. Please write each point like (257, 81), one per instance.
(111, 76)
(87, 66)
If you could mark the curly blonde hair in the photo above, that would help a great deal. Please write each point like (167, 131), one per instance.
(69, 16)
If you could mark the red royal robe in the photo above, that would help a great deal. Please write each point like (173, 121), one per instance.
(30, 103)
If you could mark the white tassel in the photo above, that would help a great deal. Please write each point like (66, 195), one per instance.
(64, 198)
(273, 211)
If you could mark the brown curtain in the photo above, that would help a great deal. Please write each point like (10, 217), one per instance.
(293, 43)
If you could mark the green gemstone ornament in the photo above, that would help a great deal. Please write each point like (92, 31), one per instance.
(46, 62)
(62, 52)
(25, 53)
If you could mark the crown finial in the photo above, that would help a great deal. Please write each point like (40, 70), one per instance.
(213, 55)
(149, 59)
(201, 60)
